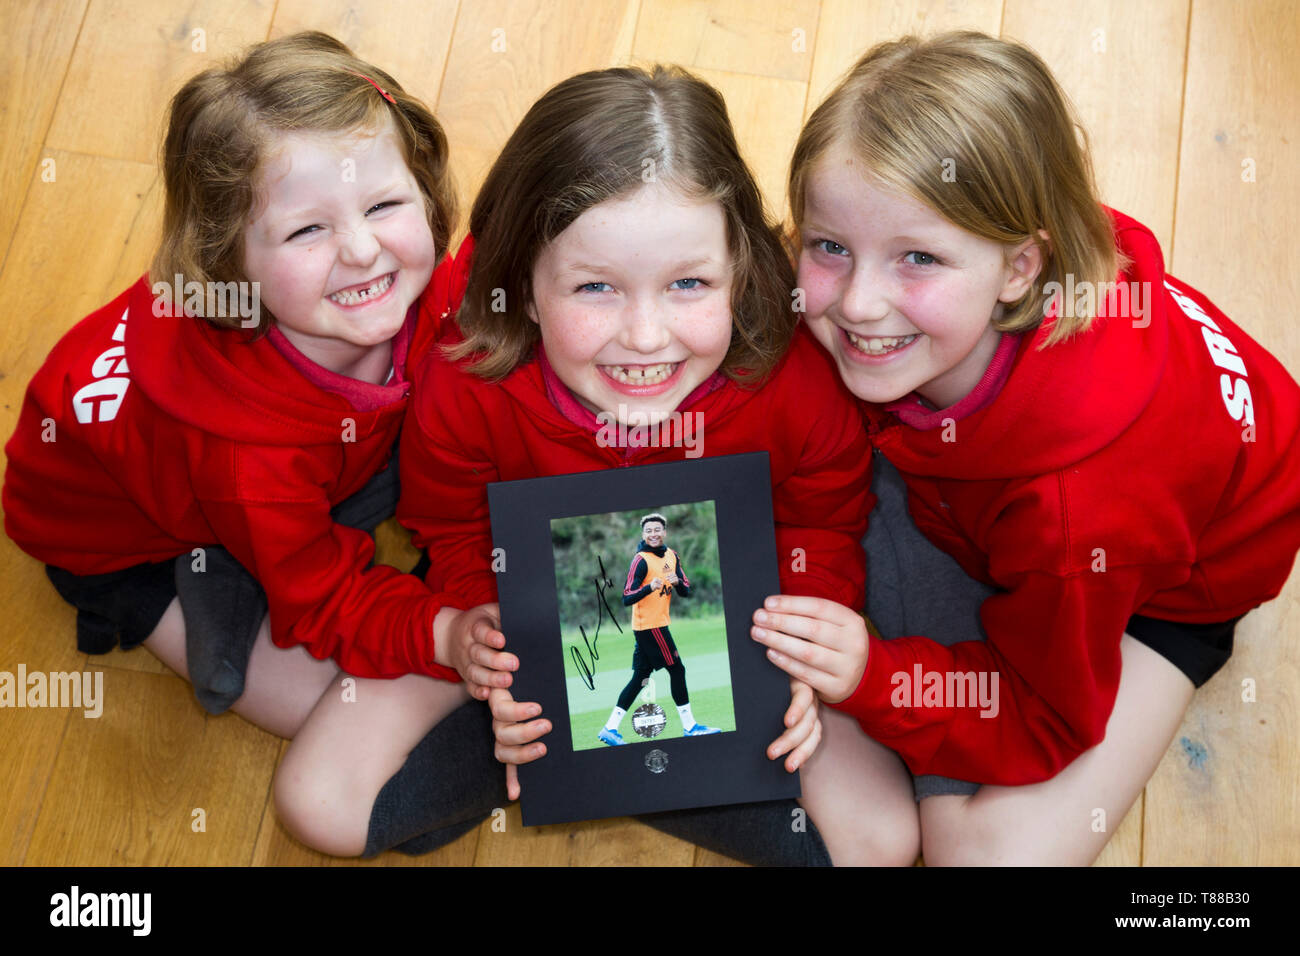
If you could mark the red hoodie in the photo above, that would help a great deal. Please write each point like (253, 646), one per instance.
(1113, 474)
(144, 437)
(505, 431)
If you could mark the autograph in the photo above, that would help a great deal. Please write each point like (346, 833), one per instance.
(587, 668)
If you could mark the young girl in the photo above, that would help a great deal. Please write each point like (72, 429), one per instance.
(1112, 459)
(624, 270)
(256, 383)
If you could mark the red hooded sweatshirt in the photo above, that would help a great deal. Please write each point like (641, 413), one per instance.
(1146, 466)
(144, 437)
(803, 417)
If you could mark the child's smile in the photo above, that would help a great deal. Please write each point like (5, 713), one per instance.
(633, 301)
(341, 245)
(901, 297)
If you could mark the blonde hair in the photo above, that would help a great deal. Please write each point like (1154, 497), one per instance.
(223, 125)
(590, 139)
(976, 128)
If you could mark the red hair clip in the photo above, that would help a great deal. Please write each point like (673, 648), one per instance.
(382, 92)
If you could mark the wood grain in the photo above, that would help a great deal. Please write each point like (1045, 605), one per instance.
(36, 48)
(847, 28)
(1101, 52)
(1226, 793)
(773, 39)
(132, 56)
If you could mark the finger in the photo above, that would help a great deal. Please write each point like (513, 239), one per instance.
(819, 681)
(814, 655)
(795, 735)
(509, 711)
(495, 660)
(801, 698)
(806, 749)
(525, 754)
(488, 678)
(520, 735)
(512, 781)
(484, 631)
(808, 628)
(814, 607)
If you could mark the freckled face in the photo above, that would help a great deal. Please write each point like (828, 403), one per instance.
(633, 301)
(901, 297)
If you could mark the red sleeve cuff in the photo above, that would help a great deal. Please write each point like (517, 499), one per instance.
(432, 669)
(871, 703)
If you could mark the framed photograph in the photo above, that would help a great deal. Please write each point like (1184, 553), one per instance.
(627, 595)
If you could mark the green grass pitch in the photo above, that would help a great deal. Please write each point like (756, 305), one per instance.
(702, 644)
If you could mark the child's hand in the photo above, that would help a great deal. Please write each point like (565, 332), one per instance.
(471, 642)
(804, 728)
(515, 737)
(821, 643)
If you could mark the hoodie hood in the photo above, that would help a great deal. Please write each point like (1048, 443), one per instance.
(218, 381)
(223, 383)
(1059, 404)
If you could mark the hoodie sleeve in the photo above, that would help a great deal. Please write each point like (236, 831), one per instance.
(444, 499)
(821, 508)
(1018, 708)
(320, 586)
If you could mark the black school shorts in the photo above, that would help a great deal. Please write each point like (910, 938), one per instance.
(120, 607)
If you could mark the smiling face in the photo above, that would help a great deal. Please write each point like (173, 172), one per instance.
(653, 533)
(633, 301)
(340, 244)
(902, 298)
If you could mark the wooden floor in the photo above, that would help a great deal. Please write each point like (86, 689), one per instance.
(1194, 112)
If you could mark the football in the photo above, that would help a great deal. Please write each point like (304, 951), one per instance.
(648, 720)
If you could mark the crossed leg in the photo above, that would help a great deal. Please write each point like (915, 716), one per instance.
(1052, 823)
(860, 796)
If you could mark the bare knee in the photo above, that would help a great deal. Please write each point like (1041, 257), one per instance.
(954, 837)
(885, 835)
(890, 840)
(316, 801)
(968, 833)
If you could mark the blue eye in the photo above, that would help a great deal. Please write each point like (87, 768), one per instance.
(693, 284)
(830, 247)
(922, 259)
(593, 287)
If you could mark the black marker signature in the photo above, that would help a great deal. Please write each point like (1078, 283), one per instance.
(587, 668)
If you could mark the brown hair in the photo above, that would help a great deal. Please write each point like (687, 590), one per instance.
(590, 139)
(987, 113)
(222, 127)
